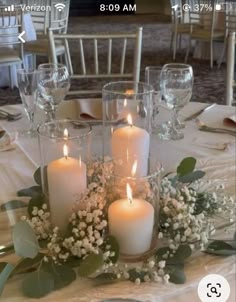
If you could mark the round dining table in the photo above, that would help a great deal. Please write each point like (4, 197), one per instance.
(18, 164)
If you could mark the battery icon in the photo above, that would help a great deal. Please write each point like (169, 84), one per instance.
(218, 7)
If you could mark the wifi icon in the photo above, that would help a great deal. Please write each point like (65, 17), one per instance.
(60, 6)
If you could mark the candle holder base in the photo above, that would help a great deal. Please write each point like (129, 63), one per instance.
(141, 257)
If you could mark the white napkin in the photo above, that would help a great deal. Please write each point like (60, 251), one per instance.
(85, 109)
(230, 121)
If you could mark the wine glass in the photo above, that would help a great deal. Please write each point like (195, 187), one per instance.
(152, 77)
(53, 85)
(27, 84)
(176, 87)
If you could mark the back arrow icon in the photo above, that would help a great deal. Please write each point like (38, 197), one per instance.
(20, 37)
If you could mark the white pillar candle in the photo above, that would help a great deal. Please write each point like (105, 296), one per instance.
(66, 180)
(130, 144)
(131, 222)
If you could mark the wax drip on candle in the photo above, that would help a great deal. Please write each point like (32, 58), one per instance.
(129, 194)
(65, 151)
(129, 119)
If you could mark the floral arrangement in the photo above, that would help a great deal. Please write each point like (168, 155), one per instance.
(52, 260)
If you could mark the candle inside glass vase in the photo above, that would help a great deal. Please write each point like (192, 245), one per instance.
(131, 222)
(130, 144)
(67, 179)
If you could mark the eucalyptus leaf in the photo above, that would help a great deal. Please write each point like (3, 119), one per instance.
(192, 176)
(90, 265)
(27, 264)
(219, 245)
(73, 261)
(134, 274)
(105, 278)
(5, 274)
(25, 241)
(161, 251)
(176, 274)
(186, 166)
(36, 201)
(30, 192)
(114, 247)
(37, 177)
(13, 205)
(63, 275)
(38, 284)
(2, 265)
(220, 252)
(182, 253)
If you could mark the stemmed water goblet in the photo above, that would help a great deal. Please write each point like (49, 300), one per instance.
(53, 85)
(176, 87)
(27, 84)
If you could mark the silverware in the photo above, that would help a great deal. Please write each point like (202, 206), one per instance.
(10, 118)
(193, 116)
(6, 249)
(204, 127)
(4, 112)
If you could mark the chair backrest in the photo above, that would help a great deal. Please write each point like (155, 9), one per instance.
(176, 11)
(11, 27)
(58, 18)
(230, 20)
(54, 16)
(105, 48)
(230, 68)
(202, 14)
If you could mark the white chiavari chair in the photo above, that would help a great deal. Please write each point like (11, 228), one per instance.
(203, 27)
(55, 19)
(230, 61)
(11, 48)
(103, 68)
(230, 26)
(180, 24)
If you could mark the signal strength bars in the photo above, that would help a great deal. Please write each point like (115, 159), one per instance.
(10, 8)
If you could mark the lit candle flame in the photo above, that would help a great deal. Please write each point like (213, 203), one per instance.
(134, 168)
(65, 151)
(129, 193)
(129, 92)
(129, 119)
(66, 133)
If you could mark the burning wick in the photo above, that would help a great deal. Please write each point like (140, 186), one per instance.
(129, 194)
(129, 119)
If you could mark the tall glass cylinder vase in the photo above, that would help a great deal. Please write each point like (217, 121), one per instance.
(127, 112)
(64, 151)
(133, 212)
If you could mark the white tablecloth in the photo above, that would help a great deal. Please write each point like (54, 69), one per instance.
(30, 35)
(17, 166)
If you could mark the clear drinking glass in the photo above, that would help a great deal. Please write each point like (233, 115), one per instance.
(53, 85)
(27, 83)
(152, 77)
(176, 86)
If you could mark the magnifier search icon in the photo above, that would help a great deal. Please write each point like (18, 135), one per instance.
(213, 290)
